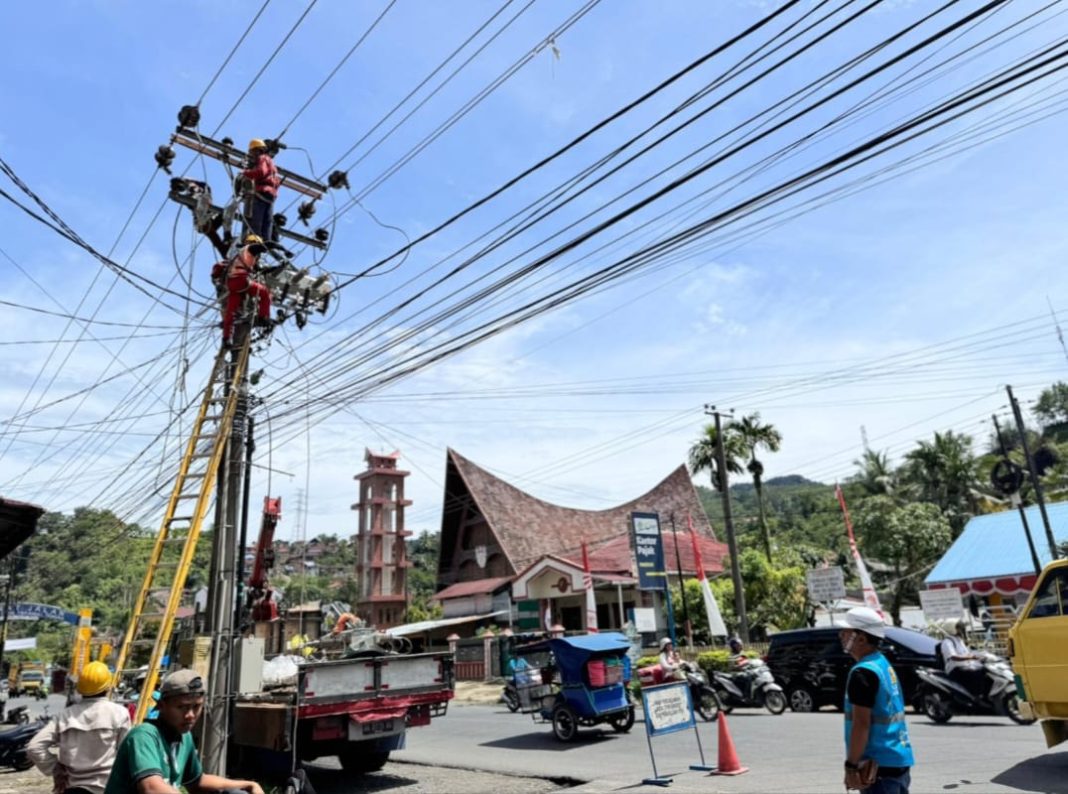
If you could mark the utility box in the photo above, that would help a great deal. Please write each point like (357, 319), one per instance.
(248, 664)
(195, 653)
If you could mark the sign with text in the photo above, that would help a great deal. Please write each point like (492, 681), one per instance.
(648, 551)
(667, 708)
(944, 604)
(41, 612)
(825, 584)
(645, 619)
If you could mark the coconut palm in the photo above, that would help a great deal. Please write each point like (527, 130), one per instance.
(703, 454)
(755, 435)
(943, 471)
(876, 476)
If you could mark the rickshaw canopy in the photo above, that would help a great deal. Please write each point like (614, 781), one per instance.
(573, 652)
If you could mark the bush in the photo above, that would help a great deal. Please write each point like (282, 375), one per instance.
(719, 661)
(646, 661)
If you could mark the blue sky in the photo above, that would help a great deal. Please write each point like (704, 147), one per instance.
(588, 405)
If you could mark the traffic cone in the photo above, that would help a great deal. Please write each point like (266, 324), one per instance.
(728, 756)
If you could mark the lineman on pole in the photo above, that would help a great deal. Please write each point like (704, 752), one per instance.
(238, 276)
(265, 181)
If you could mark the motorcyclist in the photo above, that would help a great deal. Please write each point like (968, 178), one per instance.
(739, 666)
(670, 662)
(962, 665)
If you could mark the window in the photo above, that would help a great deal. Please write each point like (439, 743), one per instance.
(1051, 597)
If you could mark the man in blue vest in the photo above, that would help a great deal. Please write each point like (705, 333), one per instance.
(878, 751)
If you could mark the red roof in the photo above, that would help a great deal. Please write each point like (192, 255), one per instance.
(527, 528)
(477, 587)
(616, 556)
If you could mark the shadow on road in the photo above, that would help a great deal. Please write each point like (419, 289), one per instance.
(951, 725)
(546, 741)
(337, 781)
(1045, 773)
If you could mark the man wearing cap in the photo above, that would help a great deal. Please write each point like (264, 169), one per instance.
(77, 748)
(265, 181)
(878, 752)
(158, 756)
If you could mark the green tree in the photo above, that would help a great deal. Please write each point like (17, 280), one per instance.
(1052, 405)
(703, 454)
(909, 538)
(775, 593)
(944, 472)
(875, 475)
(754, 435)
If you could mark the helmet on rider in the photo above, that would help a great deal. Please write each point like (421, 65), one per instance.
(867, 620)
(665, 642)
(735, 644)
(95, 679)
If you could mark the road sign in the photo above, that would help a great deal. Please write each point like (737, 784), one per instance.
(667, 708)
(648, 551)
(945, 604)
(825, 584)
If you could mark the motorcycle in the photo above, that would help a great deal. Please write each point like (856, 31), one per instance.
(510, 697)
(19, 715)
(940, 697)
(705, 700)
(13, 743)
(754, 686)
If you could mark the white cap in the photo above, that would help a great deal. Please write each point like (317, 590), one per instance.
(867, 620)
(664, 642)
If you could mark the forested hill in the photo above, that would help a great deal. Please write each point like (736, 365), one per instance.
(791, 495)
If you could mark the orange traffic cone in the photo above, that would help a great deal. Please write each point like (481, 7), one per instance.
(728, 756)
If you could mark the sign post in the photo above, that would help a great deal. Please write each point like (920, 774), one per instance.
(944, 604)
(669, 709)
(825, 586)
(649, 556)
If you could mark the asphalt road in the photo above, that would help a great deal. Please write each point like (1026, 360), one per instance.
(788, 753)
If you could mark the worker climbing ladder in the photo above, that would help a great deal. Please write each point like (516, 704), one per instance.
(172, 553)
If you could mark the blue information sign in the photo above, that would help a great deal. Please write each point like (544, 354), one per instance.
(668, 708)
(42, 612)
(648, 551)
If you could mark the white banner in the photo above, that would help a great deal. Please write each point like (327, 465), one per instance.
(645, 619)
(21, 644)
(825, 584)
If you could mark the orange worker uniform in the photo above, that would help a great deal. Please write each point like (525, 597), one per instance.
(239, 282)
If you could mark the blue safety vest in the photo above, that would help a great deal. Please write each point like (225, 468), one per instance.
(888, 741)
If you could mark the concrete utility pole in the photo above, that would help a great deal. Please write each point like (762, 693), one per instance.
(728, 523)
(1015, 499)
(222, 583)
(1039, 496)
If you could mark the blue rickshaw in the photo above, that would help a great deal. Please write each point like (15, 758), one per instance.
(589, 685)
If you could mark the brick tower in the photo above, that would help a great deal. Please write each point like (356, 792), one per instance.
(382, 562)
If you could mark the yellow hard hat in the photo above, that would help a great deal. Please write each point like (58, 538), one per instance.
(256, 143)
(94, 679)
(253, 239)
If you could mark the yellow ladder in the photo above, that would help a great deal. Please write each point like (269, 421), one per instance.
(176, 542)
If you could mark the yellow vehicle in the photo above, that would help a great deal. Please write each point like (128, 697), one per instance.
(27, 678)
(1038, 645)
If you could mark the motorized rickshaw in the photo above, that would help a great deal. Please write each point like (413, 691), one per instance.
(585, 684)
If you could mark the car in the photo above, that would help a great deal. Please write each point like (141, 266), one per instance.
(812, 668)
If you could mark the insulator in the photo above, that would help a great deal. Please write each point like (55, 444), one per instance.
(280, 220)
(322, 235)
(189, 116)
(305, 211)
(165, 157)
(338, 179)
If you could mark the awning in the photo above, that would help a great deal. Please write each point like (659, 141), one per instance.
(429, 625)
(18, 520)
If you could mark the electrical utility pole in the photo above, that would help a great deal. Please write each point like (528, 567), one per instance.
(682, 585)
(728, 523)
(1014, 497)
(1035, 482)
(222, 580)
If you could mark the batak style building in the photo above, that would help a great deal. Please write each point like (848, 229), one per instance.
(510, 557)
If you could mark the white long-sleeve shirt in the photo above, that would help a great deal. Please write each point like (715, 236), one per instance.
(84, 738)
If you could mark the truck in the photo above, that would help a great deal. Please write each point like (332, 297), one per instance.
(27, 678)
(1038, 647)
(357, 708)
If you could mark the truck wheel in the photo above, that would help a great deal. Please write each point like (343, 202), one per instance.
(358, 761)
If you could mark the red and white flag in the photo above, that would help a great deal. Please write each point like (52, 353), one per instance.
(591, 600)
(716, 626)
(871, 598)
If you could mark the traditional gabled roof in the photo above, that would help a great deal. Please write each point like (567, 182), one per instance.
(616, 556)
(528, 528)
(18, 520)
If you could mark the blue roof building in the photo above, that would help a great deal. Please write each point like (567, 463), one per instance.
(991, 554)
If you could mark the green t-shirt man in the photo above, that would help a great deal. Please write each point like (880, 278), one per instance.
(153, 749)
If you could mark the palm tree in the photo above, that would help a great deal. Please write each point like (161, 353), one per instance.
(943, 471)
(703, 454)
(754, 435)
(876, 475)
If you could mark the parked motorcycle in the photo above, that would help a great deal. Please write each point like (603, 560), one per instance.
(940, 697)
(705, 701)
(13, 742)
(19, 715)
(755, 686)
(510, 697)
